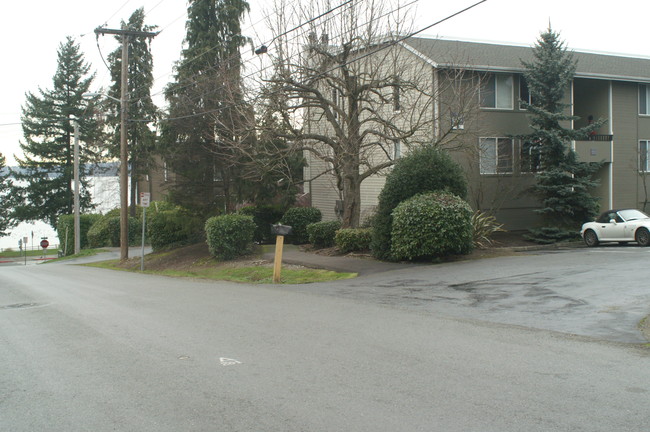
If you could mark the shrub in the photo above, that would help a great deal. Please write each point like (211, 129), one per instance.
(431, 225)
(263, 216)
(425, 169)
(298, 218)
(321, 234)
(230, 236)
(353, 239)
(65, 230)
(106, 231)
(483, 227)
(173, 227)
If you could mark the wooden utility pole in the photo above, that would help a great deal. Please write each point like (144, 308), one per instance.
(124, 154)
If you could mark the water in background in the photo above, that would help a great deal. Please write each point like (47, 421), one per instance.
(105, 192)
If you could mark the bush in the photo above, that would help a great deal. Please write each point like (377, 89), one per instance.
(230, 236)
(65, 231)
(173, 227)
(298, 218)
(431, 225)
(425, 169)
(353, 239)
(321, 234)
(105, 232)
(263, 216)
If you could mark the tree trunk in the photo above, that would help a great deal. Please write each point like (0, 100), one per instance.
(351, 196)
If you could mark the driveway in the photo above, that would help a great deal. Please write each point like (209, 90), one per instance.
(601, 293)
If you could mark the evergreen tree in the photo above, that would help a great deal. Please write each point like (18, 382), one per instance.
(46, 175)
(205, 106)
(563, 183)
(141, 139)
(5, 204)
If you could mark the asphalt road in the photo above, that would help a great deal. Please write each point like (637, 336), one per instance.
(89, 349)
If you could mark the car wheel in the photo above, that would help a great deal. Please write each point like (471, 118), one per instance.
(642, 236)
(591, 239)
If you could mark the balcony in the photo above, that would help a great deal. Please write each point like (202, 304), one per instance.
(596, 148)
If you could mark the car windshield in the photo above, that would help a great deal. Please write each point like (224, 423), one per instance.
(629, 215)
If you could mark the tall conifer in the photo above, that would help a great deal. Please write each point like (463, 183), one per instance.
(563, 183)
(46, 174)
(205, 103)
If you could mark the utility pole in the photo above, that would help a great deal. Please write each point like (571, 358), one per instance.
(77, 226)
(124, 154)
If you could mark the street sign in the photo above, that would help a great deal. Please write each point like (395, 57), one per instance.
(25, 241)
(145, 197)
(45, 244)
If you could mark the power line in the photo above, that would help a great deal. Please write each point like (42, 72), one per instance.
(322, 74)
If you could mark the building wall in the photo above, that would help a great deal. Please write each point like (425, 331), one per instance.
(627, 127)
(506, 195)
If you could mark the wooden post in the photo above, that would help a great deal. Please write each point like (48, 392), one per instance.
(277, 262)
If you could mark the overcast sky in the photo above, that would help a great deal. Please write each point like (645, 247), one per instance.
(31, 32)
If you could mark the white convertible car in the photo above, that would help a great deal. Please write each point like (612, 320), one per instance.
(629, 225)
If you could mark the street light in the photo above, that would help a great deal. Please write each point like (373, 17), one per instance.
(124, 160)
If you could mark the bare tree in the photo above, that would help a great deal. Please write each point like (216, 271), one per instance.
(350, 94)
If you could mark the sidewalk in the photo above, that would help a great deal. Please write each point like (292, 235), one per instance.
(292, 254)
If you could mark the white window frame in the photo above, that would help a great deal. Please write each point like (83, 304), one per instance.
(499, 102)
(644, 156)
(644, 108)
(490, 165)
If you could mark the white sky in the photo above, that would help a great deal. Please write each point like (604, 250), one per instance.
(31, 32)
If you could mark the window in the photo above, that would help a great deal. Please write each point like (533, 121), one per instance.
(644, 99)
(457, 121)
(644, 153)
(496, 91)
(530, 157)
(524, 92)
(495, 155)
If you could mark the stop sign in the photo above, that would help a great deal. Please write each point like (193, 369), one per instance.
(45, 244)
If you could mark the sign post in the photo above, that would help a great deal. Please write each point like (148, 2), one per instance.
(44, 244)
(145, 198)
(280, 231)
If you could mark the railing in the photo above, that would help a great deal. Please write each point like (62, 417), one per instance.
(599, 137)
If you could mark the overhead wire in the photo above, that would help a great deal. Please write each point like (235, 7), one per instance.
(332, 69)
(216, 67)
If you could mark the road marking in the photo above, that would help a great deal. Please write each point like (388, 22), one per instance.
(228, 362)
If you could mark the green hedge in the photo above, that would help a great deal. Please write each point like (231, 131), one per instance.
(230, 236)
(298, 218)
(65, 224)
(173, 227)
(425, 169)
(431, 225)
(263, 216)
(321, 234)
(353, 239)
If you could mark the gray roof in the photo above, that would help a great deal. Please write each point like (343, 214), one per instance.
(507, 58)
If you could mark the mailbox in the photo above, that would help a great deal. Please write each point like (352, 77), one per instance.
(282, 230)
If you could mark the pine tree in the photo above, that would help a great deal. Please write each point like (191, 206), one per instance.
(5, 204)
(563, 183)
(205, 106)
(46, 176)
(141, 139)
